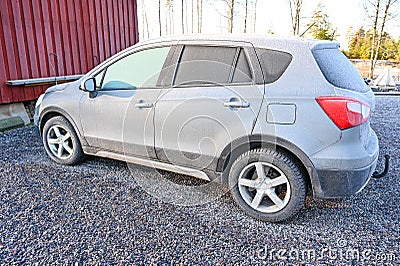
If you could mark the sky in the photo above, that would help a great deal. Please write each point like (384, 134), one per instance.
(272, 15)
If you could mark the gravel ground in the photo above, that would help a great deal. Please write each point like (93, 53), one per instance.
(95, 213)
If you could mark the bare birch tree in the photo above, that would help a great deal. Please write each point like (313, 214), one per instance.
(245, 15)
(295, 9)
(186, 17)
(182, 18)
(380, 15)
(159, 15)
(255, 16)
(172, 21)
(199, 15)
(167, 16)
(145, 22)
(231, 8)
(192, 2)
(228, 13)
(230, 4)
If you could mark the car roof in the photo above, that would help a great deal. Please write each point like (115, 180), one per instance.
(293, 45)
(272, 42)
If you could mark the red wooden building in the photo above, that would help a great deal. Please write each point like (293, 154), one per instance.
(58, 38)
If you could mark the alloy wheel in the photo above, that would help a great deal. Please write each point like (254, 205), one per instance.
(264, 187)
(59, 140)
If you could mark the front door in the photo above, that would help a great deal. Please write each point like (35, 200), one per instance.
(119, 118)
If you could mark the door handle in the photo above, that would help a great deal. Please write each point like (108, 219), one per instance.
(141, 105)
(236, 103)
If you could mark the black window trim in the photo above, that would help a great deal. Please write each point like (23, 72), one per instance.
(166, 63)
(103, 70)
(180, 49)
(234, 66)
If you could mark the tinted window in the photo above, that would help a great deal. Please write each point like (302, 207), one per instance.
(338, 70)
(205, 65)
(273, 63)
(242, 72)
(140, 69)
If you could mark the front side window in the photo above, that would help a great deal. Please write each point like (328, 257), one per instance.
(140, 69)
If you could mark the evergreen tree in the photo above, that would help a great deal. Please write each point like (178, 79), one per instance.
(360, 46)
(321, 27)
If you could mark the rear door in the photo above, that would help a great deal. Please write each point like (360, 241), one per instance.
(213, 101)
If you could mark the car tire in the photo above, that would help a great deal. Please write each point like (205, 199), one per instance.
(267, 185)
(61, 141)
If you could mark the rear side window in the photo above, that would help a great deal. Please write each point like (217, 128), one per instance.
(205, 65)
(338, 70)
(273, 63)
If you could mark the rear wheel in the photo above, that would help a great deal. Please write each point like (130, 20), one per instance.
(61, 141)
(267, 185)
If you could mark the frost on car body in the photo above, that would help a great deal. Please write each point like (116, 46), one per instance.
(269, 117)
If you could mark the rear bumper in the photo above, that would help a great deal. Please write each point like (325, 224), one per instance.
(345, 168)
(343, 183)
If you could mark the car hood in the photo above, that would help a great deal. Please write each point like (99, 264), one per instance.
(63, 86)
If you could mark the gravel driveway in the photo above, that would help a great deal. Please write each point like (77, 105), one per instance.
(96, 213)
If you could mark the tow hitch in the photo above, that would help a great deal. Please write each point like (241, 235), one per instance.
(385, 171)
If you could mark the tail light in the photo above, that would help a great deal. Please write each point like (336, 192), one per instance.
(345, 112)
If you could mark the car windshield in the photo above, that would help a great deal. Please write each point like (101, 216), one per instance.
(338, 70)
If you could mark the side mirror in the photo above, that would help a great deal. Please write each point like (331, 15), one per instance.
(89, 85)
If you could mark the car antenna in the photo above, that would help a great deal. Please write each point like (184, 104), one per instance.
(53, 65)
(312, 25)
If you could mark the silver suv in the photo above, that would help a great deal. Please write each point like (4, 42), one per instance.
(272, 118)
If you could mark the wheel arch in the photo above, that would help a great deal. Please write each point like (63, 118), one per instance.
(53, 111)
(243, 144)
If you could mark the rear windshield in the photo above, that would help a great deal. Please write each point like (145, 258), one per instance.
(338, 70)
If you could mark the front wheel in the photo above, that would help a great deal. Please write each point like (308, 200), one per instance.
(267, 185)
(61, 141)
